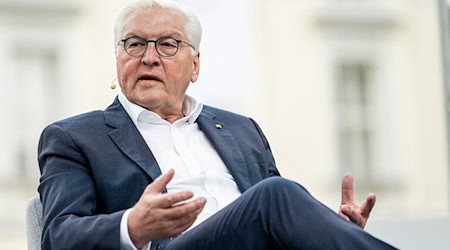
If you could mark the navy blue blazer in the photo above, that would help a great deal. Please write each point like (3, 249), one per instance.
(96, 165)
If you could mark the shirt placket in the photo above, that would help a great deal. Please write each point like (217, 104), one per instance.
(179, 141)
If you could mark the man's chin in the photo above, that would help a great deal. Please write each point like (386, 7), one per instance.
(150, 101)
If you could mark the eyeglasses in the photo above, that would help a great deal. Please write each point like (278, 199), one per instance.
(165, 46)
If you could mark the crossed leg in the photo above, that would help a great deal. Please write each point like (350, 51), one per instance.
(275, 214)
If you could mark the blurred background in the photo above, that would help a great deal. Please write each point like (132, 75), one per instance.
(338, 86)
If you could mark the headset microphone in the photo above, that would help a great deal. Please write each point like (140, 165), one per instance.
(113, 84)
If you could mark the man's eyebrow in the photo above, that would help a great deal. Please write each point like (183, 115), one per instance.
(130, 34)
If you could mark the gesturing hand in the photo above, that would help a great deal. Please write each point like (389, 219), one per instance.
(157, 216)
(349, 210)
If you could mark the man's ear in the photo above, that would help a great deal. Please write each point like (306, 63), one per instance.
(196, 68)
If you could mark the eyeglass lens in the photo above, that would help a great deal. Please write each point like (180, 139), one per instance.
(137, 46)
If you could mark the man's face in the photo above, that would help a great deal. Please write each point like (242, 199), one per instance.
(156, 83)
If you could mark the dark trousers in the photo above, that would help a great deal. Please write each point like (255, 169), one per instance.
(274, 214)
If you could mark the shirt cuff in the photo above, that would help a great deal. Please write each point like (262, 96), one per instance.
(125, 240)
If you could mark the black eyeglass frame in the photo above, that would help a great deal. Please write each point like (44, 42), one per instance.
(156, 45)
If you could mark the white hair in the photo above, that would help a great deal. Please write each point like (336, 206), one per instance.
(192, 27)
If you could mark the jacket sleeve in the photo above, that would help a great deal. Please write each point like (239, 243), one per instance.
(68, 193)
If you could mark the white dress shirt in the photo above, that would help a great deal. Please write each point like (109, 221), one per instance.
(183, 147)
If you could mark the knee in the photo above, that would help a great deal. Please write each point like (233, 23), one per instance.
(275, 181)
(278, 185)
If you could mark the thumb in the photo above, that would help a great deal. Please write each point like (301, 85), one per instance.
(367, 206)
(160, 183)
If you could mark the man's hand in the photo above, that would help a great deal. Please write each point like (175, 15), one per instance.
(157, 216)
(349, 210)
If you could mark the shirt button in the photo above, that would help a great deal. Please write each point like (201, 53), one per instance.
(158, 247)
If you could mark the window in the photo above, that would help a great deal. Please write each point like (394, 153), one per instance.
(355, 135)
(33, 87)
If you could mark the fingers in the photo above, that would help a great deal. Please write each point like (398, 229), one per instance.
(354, 216)
(343, 215)
(349, 210)
(154, 218)
(160, 183)
(368, 205)
(173, 221)
(358, 215)
(176, 226)
(189, 208)
(347, 189)
(169, 200)
(158, 216)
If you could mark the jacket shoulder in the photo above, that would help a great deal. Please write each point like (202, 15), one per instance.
(80, 120)
(221, 113)
(91, 119)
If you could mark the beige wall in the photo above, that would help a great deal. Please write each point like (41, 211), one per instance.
(403, 40)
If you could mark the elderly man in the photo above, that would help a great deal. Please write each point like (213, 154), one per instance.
(159, 170)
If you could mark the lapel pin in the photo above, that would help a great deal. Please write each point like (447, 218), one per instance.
(218, 126)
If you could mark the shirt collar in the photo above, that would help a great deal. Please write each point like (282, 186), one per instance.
(191, 110)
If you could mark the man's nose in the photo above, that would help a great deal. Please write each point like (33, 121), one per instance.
(151, 56)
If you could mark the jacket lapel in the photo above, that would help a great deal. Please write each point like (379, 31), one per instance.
(227, 147)
(128, 139)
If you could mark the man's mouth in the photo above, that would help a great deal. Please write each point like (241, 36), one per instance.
(149, 78)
